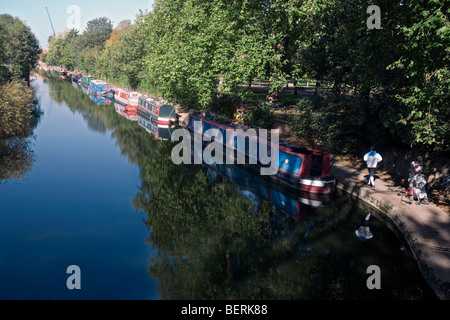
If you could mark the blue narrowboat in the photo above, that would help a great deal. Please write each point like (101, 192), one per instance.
(100, 88)
(159, 113)
(162, 132)
(301, 168)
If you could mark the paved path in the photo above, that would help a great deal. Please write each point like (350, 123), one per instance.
(426, 228)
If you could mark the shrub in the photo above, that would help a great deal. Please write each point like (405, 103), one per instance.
(16, 111)
(260, 115)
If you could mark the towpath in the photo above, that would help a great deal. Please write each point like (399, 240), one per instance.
(426, 228)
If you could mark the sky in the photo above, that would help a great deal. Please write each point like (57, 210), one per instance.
(66, 14)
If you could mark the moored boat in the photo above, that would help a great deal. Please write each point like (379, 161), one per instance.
(301, 168)
(100, 88)
(86, 81)
(162, 132)
(128, 99)
(76, 77)
(160, 113)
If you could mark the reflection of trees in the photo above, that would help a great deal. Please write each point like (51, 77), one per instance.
(213, 245)
(16, 158)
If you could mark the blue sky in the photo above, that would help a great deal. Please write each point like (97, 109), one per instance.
(33, 12)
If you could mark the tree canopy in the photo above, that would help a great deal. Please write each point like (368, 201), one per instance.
(19, 47)
(19, 50)
(193, 52)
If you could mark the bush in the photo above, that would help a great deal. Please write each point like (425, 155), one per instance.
(260, 115)
(16, 111)
(329, 122)
(225, 106)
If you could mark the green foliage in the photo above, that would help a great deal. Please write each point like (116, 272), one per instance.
(97, 31)
(18, 117)
(260, 115)
(224, 105)
(20, 48)
(425, 62)
(19, 51)
(195, 52)
(16, 113)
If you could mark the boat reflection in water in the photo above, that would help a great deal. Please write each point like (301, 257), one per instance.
(101, 100)
(163, 132)
(255, 187)
(127, 114)
(98, 99)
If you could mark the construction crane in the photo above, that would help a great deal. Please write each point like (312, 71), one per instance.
(54, 34)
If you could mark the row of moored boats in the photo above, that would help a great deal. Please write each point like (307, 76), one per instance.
(300, 168)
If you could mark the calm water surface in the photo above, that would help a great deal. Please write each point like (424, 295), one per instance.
(103, 195)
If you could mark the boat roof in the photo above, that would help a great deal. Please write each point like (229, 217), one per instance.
(128, 91)
(99, 82)
(284, 146)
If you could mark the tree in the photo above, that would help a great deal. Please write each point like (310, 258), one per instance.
(20, 47)
(425, 63)
(69, 52)
(97, 31)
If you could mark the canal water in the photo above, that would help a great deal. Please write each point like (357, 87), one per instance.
(104, 195)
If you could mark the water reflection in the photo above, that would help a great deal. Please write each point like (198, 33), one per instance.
(163, 132)
(129, 115)
(223, 233)
(294, 204)
(363, 232)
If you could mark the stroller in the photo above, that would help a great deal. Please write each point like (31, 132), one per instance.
(417, 191)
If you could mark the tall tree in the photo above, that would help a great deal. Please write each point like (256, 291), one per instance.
(20, 47)
(425, 63)
(97, 31)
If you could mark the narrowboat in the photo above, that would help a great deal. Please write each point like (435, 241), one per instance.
(128, 114)
(162, 132)
(300, 168)
(128, 99)
(160, 113)
(85, 81)
(101, 88)
(76, 79)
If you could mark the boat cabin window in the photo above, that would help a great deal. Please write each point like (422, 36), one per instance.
(289, 162)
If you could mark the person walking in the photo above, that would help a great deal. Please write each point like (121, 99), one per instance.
(372, 158)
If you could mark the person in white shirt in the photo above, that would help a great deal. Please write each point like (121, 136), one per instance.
(372, 158)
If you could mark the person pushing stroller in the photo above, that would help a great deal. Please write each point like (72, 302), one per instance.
(417, 182)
